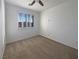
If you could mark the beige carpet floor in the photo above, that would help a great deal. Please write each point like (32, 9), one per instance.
(39, 48)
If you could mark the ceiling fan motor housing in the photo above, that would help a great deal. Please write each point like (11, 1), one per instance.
(36, 0)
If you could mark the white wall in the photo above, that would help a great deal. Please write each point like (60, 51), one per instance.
(2, 28)
(60, 23)
(13, 34)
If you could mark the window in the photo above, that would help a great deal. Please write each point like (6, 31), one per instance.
(25, 20)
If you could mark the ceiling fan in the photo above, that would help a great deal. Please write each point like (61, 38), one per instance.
(38, 1)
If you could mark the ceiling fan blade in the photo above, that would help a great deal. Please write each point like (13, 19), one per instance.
(32, 3)
(41, 3)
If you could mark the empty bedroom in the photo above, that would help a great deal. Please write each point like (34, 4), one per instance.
(38, 29)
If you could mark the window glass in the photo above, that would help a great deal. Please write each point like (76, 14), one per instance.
(21, 17)
(25, 20)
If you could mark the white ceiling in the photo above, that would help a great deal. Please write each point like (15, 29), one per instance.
(36, 6)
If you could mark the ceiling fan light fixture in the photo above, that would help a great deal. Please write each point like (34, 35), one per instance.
(38, 1)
